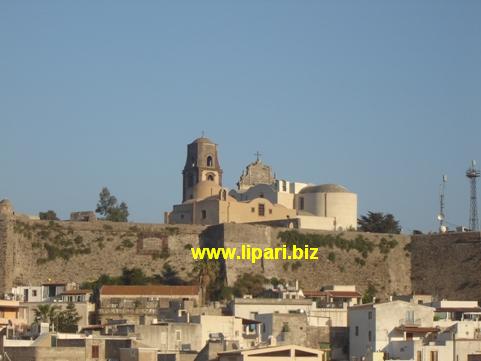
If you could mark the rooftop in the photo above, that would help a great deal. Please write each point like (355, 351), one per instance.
(152, 290)
(333, 294)
(324, 188)
(271, 301)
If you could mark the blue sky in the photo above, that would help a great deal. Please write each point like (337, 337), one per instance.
(381, 96)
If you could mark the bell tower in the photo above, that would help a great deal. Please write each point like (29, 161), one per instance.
(202, 164)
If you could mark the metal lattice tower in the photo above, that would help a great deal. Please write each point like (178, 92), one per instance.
(473, 174)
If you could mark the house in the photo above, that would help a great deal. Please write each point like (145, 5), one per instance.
(292, 328)
(141, 304)
(274, 353)
(81, 299)
(193, 335)
(250, 307)
(332, 303)
(336, 296)
(72, 347)
(374, 327)
(284, 291)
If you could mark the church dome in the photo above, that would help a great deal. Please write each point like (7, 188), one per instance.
(324, 188)
(203, 140)
(206, 189)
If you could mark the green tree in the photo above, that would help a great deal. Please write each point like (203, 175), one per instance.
(169, 276)
(369, 294)
(249, 283)
(205, 273)
(48, 216)
(379, 222)
(109, 208)
(133, 276)
(67, 320)
(45, 313)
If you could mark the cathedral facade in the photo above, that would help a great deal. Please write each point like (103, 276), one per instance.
(259, 197)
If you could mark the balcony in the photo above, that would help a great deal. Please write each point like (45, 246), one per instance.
(410, 322)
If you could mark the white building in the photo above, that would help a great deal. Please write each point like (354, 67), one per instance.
(249, 308)
(409, 331)
(373, 327)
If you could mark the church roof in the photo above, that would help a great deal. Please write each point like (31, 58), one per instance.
(324, 188)
(203, 140)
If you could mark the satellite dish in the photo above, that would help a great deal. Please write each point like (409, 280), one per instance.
(440, 217)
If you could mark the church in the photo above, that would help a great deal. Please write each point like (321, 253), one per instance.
(259, 197)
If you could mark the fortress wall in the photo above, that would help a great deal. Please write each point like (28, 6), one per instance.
(82, 251)
(6, 252)
(447, 265)
(389, 272)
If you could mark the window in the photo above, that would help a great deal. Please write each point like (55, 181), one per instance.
(95, 351)
(209, 161)
(409, 335)
(178, 335)
(409, 317)
(419, 356)
(204, 214)
(34, 293)
(210, 177)
(369, 336)
(262, 210)
(434, 356)
(261, 195)
(369, 315)
(284, 186)
(301, 203)
(270, 211)
(356, 331)
(253, 210)
(420, 302)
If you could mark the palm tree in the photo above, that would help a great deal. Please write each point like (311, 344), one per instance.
(204, 272)
(46, 313)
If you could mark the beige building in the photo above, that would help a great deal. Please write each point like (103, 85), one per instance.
(275, 353)
(141, 304)
(259, 197)
(63, 347)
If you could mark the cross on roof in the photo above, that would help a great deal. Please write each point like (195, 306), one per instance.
(258, 155)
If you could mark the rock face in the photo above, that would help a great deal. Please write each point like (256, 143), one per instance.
(32, 251)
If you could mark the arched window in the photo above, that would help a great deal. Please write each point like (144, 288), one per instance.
(209, 161)
(210, 177)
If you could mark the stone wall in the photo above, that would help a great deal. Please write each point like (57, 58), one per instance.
(33, 252)
(447, 265)
(7, 252)
(388, 272)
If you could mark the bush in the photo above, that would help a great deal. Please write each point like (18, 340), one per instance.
(331, 256)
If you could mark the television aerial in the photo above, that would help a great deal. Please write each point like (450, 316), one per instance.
(442, 215)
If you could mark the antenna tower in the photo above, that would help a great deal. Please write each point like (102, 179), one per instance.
(473, 174)
(442, 213)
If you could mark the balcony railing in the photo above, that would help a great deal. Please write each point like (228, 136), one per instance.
(410, 322)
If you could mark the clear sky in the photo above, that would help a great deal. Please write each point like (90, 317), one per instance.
(381, 96)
